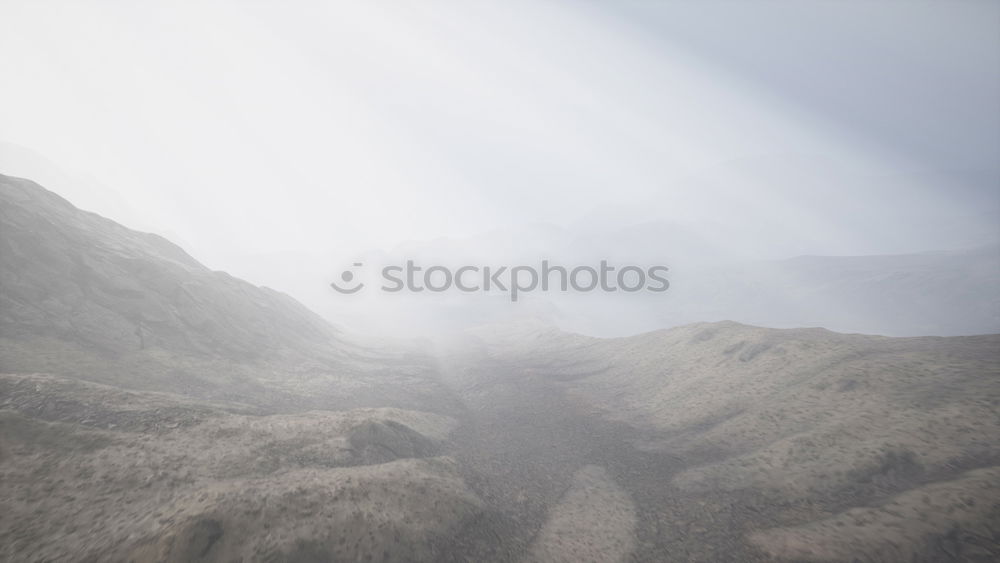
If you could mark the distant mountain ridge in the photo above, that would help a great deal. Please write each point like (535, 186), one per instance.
(933, 293)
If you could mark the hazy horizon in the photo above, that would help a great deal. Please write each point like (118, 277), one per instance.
(281, 144)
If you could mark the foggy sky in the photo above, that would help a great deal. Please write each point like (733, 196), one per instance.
(243, 130)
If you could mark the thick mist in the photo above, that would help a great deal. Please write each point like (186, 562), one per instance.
(284, 144)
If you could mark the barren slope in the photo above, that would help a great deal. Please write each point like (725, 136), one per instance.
(782, 428)
(91, 472)
(85, 297)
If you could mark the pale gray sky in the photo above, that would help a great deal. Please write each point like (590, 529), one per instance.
(243, 129)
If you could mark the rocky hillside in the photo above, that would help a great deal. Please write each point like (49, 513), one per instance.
(154, 410)
(84, 297)
(76, 276)
(832, 446)
(90, 472)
